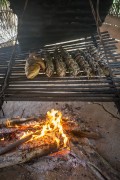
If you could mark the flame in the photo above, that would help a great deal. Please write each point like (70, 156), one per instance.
(2, 139)
(52, 129)
(8, 123)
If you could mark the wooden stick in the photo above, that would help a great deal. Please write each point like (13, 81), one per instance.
(98, 163)
(15, 144)
(17, 121)
(80, 134)
(96, 172)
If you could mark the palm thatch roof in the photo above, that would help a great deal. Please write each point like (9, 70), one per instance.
(8, 24)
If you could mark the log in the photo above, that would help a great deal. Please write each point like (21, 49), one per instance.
(7, 131)
(14, 145)
(74, 129)
(16, 121)
(19, 157)
(75, 134)
(90, 135)
(80, 134)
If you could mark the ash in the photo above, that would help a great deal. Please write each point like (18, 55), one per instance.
(49, 163)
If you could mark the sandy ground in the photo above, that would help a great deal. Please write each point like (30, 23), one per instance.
(93, 116)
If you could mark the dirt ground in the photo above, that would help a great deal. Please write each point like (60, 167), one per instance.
(101, 117)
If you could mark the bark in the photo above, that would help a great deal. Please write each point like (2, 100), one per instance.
(19, 157)
(17, 121)
(14, 145)
(90, 135)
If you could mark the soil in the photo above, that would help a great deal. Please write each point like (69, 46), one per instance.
(101, 117)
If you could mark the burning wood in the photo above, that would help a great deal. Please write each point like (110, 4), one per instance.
(52, 135)
(52, 129)
(15, 144)
(91, 135)
(16, 121)
(19, 157)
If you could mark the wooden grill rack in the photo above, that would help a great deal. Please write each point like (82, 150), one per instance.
(79, 88)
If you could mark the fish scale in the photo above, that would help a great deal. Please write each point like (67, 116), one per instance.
(72, 65)
(80, 58)
(49, 64)
(100, 59)
(60, 65)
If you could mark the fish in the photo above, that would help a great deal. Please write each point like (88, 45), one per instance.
(90, 58)
(71, 63)
(100, 60)
(60, 64)
(33, 65)
(104, 68)
(84, 65)
(49, 71)
(40, 62)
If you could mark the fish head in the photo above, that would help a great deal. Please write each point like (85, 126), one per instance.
(32, 71)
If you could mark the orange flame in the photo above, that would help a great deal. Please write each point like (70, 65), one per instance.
(2, 139)
(8, 123)
(52, 128)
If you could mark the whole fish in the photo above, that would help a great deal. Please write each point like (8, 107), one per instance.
(60, 65)
(100, 59)
(80, 59)
(104, 68)
(33, 65)
(49, 64)
(72, 65)
(90, 58)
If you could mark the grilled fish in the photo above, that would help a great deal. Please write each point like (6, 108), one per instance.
(72, 65)
(80, 59)
(104, 68)
(100, 59)
(90, 58)
(49, 64)
(33, 65)
(60, 65)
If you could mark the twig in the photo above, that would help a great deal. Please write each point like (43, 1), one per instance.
(3, 112)
(107, 111)
(22, 112)
(96, 171)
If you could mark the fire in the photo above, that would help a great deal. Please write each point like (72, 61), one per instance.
(51, 129)
(8, 123)
(2, 139)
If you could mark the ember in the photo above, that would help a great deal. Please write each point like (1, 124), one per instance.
(2, 139)
(52, 130)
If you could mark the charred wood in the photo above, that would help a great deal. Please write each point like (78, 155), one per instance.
(19, 157)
